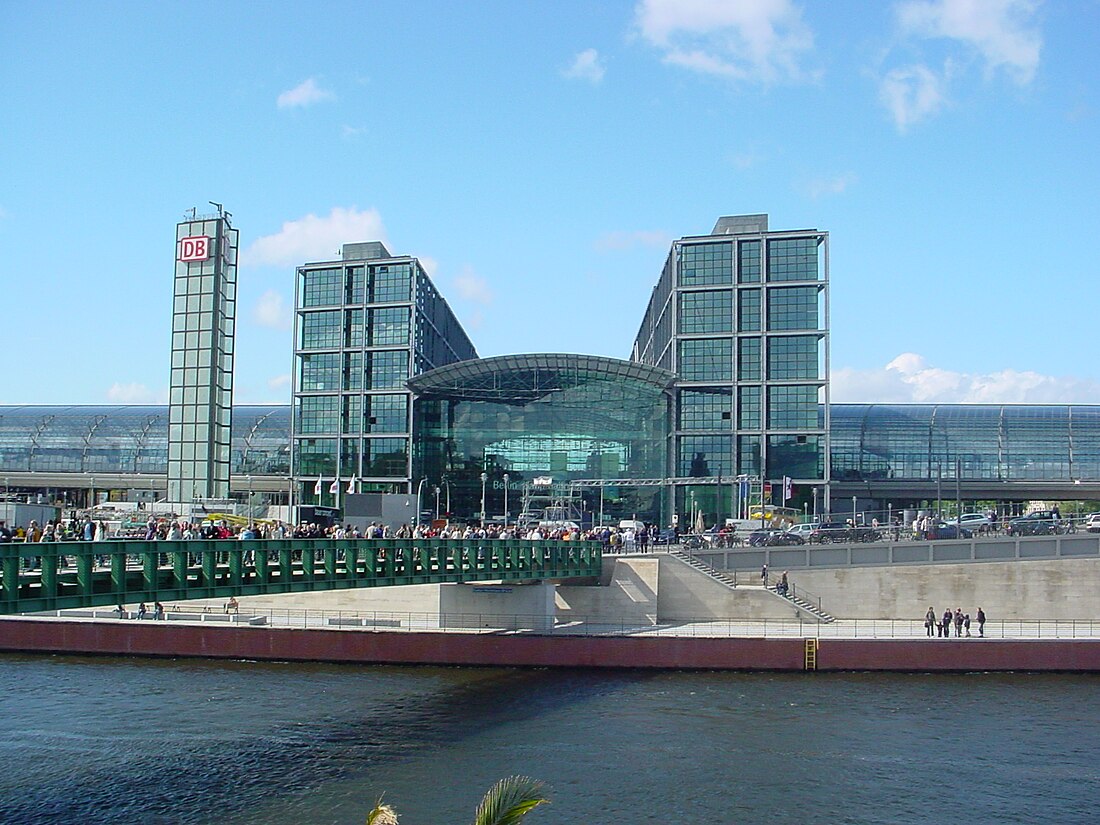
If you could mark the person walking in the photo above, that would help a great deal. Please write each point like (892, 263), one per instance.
(929, 621)
(958, 621)
(981, 622)
(945, 624)
(764, 575)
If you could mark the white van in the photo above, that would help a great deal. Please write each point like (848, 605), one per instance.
(631, 524)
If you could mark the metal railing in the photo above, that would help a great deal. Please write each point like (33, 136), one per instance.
(566, 625)
(33, 577)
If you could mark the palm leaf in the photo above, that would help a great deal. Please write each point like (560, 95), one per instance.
(509, 800)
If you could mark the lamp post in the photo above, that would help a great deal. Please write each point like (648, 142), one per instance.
(484, 478)
(447, 484)
(691, 524)
(505, 501)
(419, 487)
(815, 504)
(853, 511)
(249, 497)
(437, 502)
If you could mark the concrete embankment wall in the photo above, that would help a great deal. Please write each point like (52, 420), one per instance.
(125, 638)
(1049, 589)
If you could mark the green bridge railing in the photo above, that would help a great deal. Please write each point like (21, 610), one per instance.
(54, 576)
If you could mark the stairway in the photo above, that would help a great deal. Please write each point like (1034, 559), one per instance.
(804, 605)
(723, 578)
(703, 567)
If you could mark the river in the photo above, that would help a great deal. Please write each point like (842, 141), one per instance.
(120, 741)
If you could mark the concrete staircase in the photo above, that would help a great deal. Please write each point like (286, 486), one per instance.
(804, 605)
(801, 603)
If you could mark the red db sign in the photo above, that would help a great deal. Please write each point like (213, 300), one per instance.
(196, 248)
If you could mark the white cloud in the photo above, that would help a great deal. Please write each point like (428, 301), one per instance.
(135, 393)
(836, 185)
(315, 239)
(272, 311)
(910, 379)
(912, 94)
(586, 66)
(623, 239)
(349, 132)
(1002, 32)
(760, 40)
(304, 94)
(431, 265)
(279, 381)
(472, 287)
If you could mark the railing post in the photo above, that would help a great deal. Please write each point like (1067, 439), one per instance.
(118, 576)
(149, 557)
(11, 576)
(85, 571)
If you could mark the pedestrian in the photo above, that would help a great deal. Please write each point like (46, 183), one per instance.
(121, 611)
(158, 611)
(958, 621)
(929, 620)
(764, 575)
(784, 584)
(981, 622)
(945, 624)
(966, 624)
(142, 610)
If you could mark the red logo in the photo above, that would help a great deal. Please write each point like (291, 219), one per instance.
(196, 248)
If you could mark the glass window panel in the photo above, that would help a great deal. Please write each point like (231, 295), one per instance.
(749, 262)
(706, 311)
(706, 409)
(706, 359)
(793, 308)
(748, 310)
(792, 259)
(793, 357)
(705, 264)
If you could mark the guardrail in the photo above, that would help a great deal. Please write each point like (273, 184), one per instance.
(47, 576)
(414, 622)
(888, 553)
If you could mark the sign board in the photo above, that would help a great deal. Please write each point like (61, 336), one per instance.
(194, 248)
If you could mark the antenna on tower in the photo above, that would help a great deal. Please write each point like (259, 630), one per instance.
(213, 203)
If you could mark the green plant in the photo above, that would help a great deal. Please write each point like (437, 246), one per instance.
(506, 803)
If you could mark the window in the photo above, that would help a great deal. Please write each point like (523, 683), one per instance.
(793, 308)
(706, 455)
(706, 359)
(748, 454)
(792, 408)
(793, 358)
(388, 326)
(321, 330)
(705, 409)
(748, 359)
(386, 414)
(707, 311)
(322, 287)
(389, 369)
(748, 310)
(749, 262)
(320, 371)
(319, 414)
(390, 282)
(792, 259)
(748, 408)
(704, 264)
(385, 457)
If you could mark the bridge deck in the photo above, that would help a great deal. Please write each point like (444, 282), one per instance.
(54, 576)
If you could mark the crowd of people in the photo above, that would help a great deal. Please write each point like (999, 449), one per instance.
(940, 626)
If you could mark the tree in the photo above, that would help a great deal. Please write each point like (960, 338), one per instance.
(506, 803)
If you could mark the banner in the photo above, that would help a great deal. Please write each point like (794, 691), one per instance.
(317, 487)
(351, 484)
(788, 488)
(334, 488)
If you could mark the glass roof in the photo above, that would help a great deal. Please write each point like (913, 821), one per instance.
(520, 379)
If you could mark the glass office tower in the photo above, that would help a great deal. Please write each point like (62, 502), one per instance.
(741, 315)
(201, 387)
(363, 326)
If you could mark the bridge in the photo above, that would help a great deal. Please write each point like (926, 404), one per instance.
(65, 575)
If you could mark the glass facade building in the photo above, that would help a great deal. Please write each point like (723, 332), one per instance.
(363, 326)
(546, 427)
(741, 316)
(201, 387)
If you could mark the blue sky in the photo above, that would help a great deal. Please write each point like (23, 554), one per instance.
(540, 157)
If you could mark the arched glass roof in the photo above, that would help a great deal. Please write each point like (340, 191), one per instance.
(1008, 442)
(520, 379)
(130, 439)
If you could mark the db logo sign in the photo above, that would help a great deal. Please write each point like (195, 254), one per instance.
(194, 249)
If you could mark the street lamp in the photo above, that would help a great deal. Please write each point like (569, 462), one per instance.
(484, 478)
(506, 501)
(419, 487)
(437, 502)
(853, 511)
(250, 497)
(815, 505)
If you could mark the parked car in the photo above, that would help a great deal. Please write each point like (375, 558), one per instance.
(804, 531)
(1039, 523)
(773, 538)
(945, 530)
(1092, 523)
(839, 531)
(975, 522)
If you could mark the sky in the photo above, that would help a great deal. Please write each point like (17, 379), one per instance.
(539, 158)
